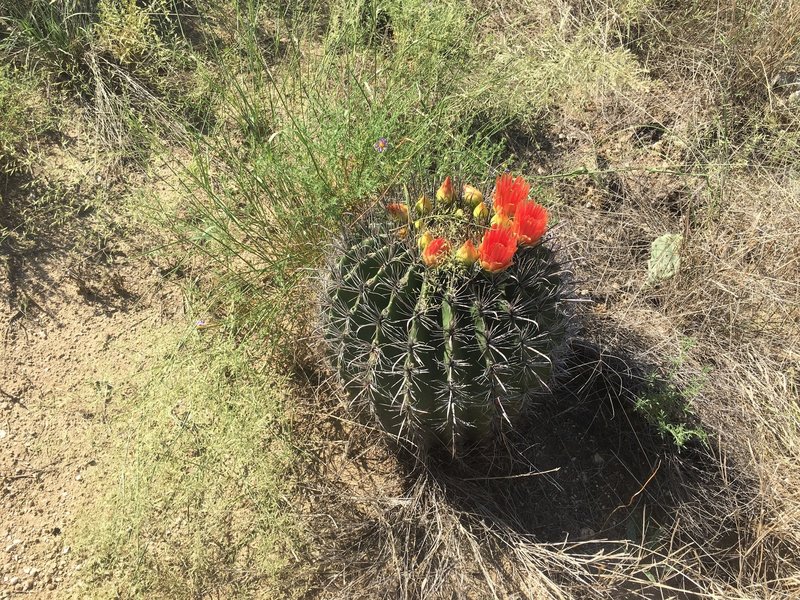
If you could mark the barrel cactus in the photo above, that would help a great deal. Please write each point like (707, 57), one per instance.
(443, 324)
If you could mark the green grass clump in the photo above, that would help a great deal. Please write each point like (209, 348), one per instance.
(201, 456)
(23, 118)
(293, 155)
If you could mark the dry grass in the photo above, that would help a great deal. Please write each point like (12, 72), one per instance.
(701, 145)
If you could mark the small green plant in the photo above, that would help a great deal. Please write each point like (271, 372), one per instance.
(666, 404)
(446, 343)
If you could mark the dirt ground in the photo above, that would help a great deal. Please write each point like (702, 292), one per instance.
(77, 308)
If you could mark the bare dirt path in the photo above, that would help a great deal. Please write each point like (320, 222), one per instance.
(77, 309)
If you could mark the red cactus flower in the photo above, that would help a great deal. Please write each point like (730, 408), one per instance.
(530, 223)
(497, 248)
(435, 253)
(509, 192)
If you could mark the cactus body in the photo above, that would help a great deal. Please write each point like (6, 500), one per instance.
(441, 356)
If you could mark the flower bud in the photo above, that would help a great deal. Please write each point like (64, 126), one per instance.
(467, 254)
(423, 241)
(419, 224)
(445, 192)
(460, 213)
(472, 196)
(481, 212)
(423, 206)
(398, 212)
(500, 220)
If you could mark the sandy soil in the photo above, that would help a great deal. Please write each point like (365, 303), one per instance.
(76, 312)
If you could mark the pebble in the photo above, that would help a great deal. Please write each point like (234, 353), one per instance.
(65, 550)
(3, 433)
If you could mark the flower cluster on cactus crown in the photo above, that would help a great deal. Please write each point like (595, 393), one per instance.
(518, 221)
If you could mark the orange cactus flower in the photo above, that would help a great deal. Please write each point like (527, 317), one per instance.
(435, 253)
(509, 192)
(467, 255)
(398, 212)
(497, 248)
(445, 193)
(530, 223)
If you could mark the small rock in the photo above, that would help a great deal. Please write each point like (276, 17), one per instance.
(3, 433)
(597, 459)
(13, 581)
(78, 477)
(65, 550)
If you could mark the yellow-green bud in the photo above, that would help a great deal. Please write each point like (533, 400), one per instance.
(423, 206)
(501, 220)
(481, 212)
(472, 196)
(467, 254)
(460, 213)
(445, 193)
(423, 241)
(419, 224)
